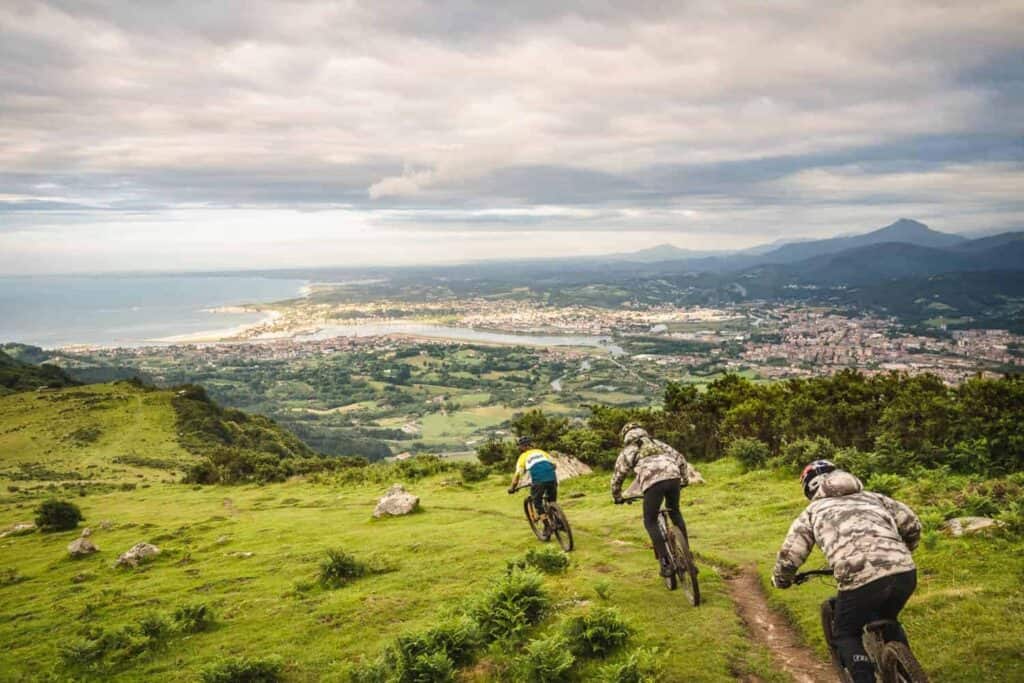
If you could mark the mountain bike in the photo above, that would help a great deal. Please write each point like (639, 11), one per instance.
(554, 522)
(893, 660)
(677, 543)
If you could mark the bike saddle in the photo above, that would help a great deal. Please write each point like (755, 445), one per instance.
(879, 624)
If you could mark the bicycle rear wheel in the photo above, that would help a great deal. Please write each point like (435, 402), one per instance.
(670, 581)
(900, 666)
(560, 525)
(531, 517)
(685, 566)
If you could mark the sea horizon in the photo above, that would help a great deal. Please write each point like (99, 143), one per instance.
(55, 311)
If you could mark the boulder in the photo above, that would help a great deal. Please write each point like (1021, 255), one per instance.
(137, 554)
(86, 532)
(566, 467)
(962, 526)
(397, 501)
(693, 475)
(20, 529)
(81, 546)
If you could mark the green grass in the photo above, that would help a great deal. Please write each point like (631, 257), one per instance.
(963, 622)
(457, 426)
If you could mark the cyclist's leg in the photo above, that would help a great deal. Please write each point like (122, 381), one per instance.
(551, 489)
(652, 505)
(853, 609)
(901, 587)
(537, 495)
(672, 502)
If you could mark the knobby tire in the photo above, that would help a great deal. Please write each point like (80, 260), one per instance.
(900, 666)
(558, 521)
(535, 525)
(685, 566)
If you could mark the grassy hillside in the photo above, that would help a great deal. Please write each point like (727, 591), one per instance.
(16, 376)
(251, 555)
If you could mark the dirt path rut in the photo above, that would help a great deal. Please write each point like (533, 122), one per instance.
(771, 630)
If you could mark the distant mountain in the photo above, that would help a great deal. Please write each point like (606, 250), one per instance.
(664, 252)
(902, 231)
(893, 260)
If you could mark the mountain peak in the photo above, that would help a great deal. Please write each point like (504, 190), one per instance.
(914, 232)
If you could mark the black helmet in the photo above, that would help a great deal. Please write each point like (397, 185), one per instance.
(811, 474)
(524, 441)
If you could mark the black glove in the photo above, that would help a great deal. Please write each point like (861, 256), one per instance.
(511, 490)
(780, 582)
(618, 500)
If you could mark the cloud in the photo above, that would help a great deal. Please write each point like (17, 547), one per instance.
(753, 116)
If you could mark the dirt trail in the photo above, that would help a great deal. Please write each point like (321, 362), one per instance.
(771, 629)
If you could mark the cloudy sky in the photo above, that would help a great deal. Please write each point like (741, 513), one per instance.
(163, 134)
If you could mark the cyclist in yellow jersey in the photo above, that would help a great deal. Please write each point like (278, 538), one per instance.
(543, 480)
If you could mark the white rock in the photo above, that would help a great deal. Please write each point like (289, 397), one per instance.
(80, 547)
(397, 501)
(20, 529)
(961, 526)
(137, 553)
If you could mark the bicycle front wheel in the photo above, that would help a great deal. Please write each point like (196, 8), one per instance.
(685, 566)
(900, 666)
(532, 518)
(560, 525)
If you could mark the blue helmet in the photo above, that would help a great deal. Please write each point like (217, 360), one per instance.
(812, 472)
(524, 441)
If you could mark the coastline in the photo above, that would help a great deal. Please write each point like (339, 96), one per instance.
(222, 334)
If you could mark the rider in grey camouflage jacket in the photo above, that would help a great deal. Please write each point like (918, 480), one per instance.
(864, 535)
(652, 460)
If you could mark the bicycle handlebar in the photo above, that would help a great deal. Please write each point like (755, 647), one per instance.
(802, 577)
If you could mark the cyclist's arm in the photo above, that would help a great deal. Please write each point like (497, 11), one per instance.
(907, 523)
(520, 469)
(623, 467)
(795, 549)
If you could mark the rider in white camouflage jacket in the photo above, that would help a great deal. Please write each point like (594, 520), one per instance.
(864, 535)
(660, 474)
(867, 539)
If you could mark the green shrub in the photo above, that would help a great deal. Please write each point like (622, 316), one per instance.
(193, 618)
(456, 638)
(597, 632)
(154, 627)
(57, 515)
(244, 670)
(495, 452)
(547, 660)
(473, 472)
(603, 588)
(796, 454)
(886, 484)
(752, 453)
(639, 667)
(547, 560)
(513, 604)
(1013, 518)
(339, 568)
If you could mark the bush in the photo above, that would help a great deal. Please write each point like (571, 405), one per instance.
(193, 618)
(496, 452)
(798, 453)
(155, 628)
(639, 667)
(596, 633)
(432, 655)
(547, 660)
(57, 515)
(547, 560)
(244, 670)
(752, 453)
(514, 603)
(886, 484)
(339, 568)
(473, 472)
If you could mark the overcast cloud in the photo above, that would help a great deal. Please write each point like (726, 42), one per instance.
(159, 134)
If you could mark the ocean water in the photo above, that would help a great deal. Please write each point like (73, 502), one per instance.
(51, 311)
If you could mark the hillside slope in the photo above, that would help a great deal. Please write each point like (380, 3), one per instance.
(251, 554)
